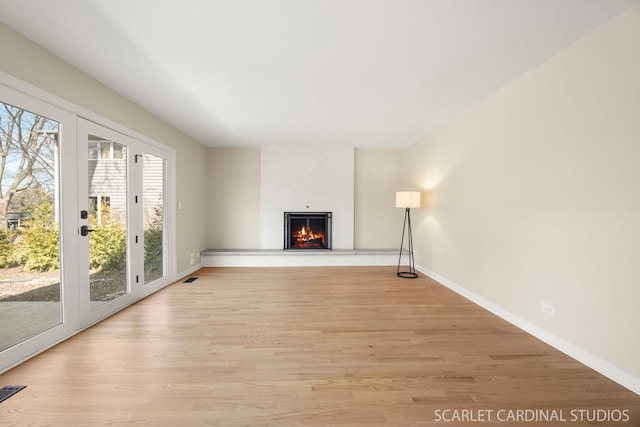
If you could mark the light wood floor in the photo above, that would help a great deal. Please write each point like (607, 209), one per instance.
(338, 346)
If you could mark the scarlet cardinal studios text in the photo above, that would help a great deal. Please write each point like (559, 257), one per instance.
(532, 415)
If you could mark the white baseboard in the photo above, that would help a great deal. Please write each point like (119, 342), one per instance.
(301, 258)
(610, 371)
(188, 271)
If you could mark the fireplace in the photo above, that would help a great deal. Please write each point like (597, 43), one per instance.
(307, 230)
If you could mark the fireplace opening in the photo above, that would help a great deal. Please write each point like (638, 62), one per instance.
(307, 230)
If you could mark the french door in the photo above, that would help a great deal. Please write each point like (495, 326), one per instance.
(85, 227)
(122, 234)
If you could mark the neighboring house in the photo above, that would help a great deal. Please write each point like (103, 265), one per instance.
(107, 180)
(14, 220)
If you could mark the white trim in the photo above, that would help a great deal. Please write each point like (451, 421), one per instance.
(187, 272)
(610, 371)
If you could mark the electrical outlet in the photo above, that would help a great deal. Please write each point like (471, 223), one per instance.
(548, 309)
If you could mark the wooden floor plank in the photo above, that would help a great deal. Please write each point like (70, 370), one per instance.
(320, 346)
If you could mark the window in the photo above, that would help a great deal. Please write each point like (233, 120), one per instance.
(105, 150)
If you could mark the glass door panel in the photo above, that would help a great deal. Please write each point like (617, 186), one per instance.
(153, 196)
(107, 229)
(30, 274)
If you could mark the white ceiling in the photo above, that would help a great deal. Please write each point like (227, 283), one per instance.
(362, 73)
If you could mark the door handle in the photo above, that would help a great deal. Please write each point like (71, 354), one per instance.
(85, 230)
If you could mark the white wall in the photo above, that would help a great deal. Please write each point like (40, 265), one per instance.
(535, 196)
(306, 179)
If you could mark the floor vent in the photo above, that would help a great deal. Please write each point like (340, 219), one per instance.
(190, 280)
(9, 390)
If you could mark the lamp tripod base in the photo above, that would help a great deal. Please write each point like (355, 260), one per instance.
(411, 274)
(407, 274)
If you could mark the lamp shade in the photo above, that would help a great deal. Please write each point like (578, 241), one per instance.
(408, 199)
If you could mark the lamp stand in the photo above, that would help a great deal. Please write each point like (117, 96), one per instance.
(411, 274)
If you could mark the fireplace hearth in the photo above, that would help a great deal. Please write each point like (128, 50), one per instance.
(307, 230)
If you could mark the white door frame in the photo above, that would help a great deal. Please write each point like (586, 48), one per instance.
(88, 313)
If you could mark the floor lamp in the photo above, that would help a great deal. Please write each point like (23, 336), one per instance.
(407, 200)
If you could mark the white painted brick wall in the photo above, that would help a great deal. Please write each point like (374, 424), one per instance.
(306, 179)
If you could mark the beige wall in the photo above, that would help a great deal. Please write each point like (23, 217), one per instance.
(233, 220)
(535, 195)
(378, 175)
(33, 64)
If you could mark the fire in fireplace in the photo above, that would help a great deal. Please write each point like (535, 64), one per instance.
(307, 230)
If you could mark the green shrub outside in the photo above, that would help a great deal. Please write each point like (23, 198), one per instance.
(38, 245)
(107, 244)
(153, 243)
(7, 249)
(38, 248)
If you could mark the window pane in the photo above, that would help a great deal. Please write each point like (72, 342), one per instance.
(107, 244)
(105, 150)
(94, 148)
(117, 151)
